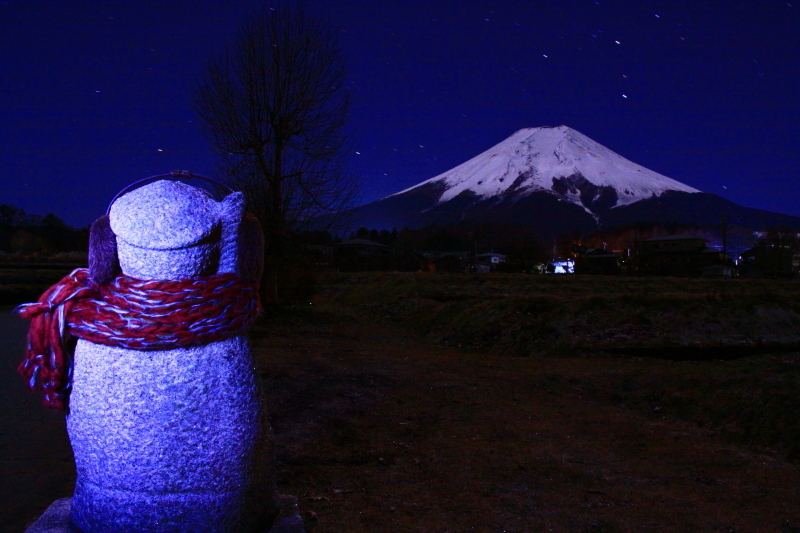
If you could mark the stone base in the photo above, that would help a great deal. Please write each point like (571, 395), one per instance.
(56, 518)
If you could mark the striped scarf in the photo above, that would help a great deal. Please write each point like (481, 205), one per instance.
(128, 313)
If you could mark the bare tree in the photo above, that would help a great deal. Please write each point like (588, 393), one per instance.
(274, 107)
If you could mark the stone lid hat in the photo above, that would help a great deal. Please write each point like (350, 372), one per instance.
(164, 215)
(157, 228)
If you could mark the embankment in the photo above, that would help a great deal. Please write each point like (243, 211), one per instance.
(680, 318)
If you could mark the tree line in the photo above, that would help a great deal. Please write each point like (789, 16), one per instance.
(25, 234)
(524, 245)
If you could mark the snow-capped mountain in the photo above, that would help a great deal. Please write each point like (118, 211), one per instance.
(555, 180)
(560, 161)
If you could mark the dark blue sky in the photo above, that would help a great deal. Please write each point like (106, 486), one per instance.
(97, 94)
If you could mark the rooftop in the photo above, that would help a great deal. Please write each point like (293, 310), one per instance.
(676, 238)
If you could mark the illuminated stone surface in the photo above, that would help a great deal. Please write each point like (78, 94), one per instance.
(174, 440)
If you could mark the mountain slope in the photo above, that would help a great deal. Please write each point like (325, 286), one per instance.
(554, 180)
(556, 160)
(700, 209)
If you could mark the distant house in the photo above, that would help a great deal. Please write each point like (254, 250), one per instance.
(718, 271)
(480, 267)
(485, 263)
(598, 261)
(492, 258)
(438, 261)
(357, 255)
(769, 261)
(677, 255)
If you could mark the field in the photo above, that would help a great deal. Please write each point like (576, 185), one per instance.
(533, 424)
(490, 403)
(687, 318)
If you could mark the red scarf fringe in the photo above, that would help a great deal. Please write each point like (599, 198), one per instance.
(129, 313)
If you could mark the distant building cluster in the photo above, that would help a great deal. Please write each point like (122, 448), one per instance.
(675, 255)
(690, 255)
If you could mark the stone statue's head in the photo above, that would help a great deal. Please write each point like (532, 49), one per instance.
(171, 230)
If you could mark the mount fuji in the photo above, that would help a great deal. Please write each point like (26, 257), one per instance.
(560, 161)
(555, 180)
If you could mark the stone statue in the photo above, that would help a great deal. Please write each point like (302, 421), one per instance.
(165, 412)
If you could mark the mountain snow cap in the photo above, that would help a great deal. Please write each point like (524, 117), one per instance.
(557, 160)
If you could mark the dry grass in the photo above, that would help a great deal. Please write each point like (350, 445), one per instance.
(532, 315)
(382, 430)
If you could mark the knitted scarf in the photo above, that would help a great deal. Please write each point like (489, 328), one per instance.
(128, 313)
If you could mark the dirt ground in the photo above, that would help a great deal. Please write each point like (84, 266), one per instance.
(380, 430)
(36, 463)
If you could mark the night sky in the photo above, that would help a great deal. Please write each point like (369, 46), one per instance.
(97, 94)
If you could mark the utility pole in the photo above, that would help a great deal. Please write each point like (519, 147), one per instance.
(724, 232)
(724, 235)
